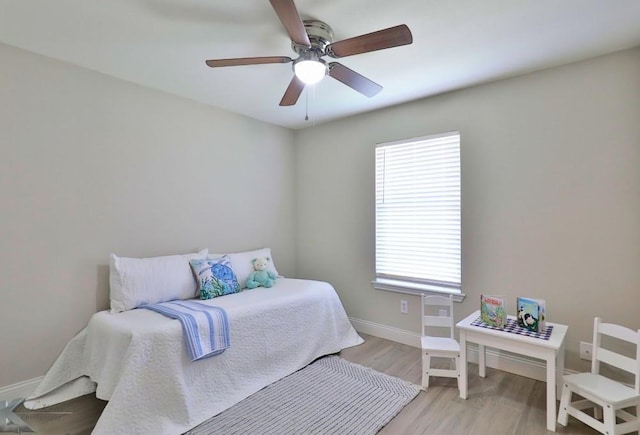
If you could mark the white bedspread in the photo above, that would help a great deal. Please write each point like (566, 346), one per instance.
(137, 360)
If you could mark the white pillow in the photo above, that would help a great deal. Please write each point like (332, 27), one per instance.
(242, 266)
(137, 281)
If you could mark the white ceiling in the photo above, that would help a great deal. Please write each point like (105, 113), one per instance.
(163, 44)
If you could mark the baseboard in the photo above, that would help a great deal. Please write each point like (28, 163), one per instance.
(19, 390)
(497, 359)
(387, 332)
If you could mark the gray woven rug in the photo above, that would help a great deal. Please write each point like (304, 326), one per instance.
(329, 396)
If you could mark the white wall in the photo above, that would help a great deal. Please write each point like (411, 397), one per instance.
(550, 195)
(91, 165)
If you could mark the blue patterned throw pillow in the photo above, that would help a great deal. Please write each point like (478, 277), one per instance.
(215, 277)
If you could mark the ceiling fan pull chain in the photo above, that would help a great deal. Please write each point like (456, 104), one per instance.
(313, 100)
(306, 110)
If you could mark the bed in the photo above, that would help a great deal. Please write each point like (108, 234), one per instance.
(136, 360)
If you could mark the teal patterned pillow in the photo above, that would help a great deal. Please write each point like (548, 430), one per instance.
(215, 277)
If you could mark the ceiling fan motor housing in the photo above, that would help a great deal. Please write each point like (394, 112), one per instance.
(320, 35)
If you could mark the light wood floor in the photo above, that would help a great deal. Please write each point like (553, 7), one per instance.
(501, 403)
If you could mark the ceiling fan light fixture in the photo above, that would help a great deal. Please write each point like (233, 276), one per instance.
(310, 71)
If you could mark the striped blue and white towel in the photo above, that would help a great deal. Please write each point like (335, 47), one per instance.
(205, 328)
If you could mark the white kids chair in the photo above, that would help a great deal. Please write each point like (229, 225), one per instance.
(607, 397)
(438, 346)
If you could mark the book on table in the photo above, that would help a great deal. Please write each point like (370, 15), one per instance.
(531, 314)
(492, 311)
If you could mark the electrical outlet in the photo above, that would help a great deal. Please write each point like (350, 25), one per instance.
(585, 350)
(404, 307)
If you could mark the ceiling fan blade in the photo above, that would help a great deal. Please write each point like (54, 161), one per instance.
(214, 63)
(288, 14)
(387, 38)
(354, 80)
(293, 92)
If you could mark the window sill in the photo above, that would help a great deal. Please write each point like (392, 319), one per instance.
(415, 288)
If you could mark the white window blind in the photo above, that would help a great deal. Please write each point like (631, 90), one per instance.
(418, 235)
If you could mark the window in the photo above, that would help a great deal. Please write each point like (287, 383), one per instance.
(418, 237)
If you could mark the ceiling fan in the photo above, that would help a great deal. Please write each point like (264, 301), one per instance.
(313, 39)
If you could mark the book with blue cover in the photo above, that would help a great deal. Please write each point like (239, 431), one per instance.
(531, 314)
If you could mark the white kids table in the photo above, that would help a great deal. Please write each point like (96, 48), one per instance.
(550, 350)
